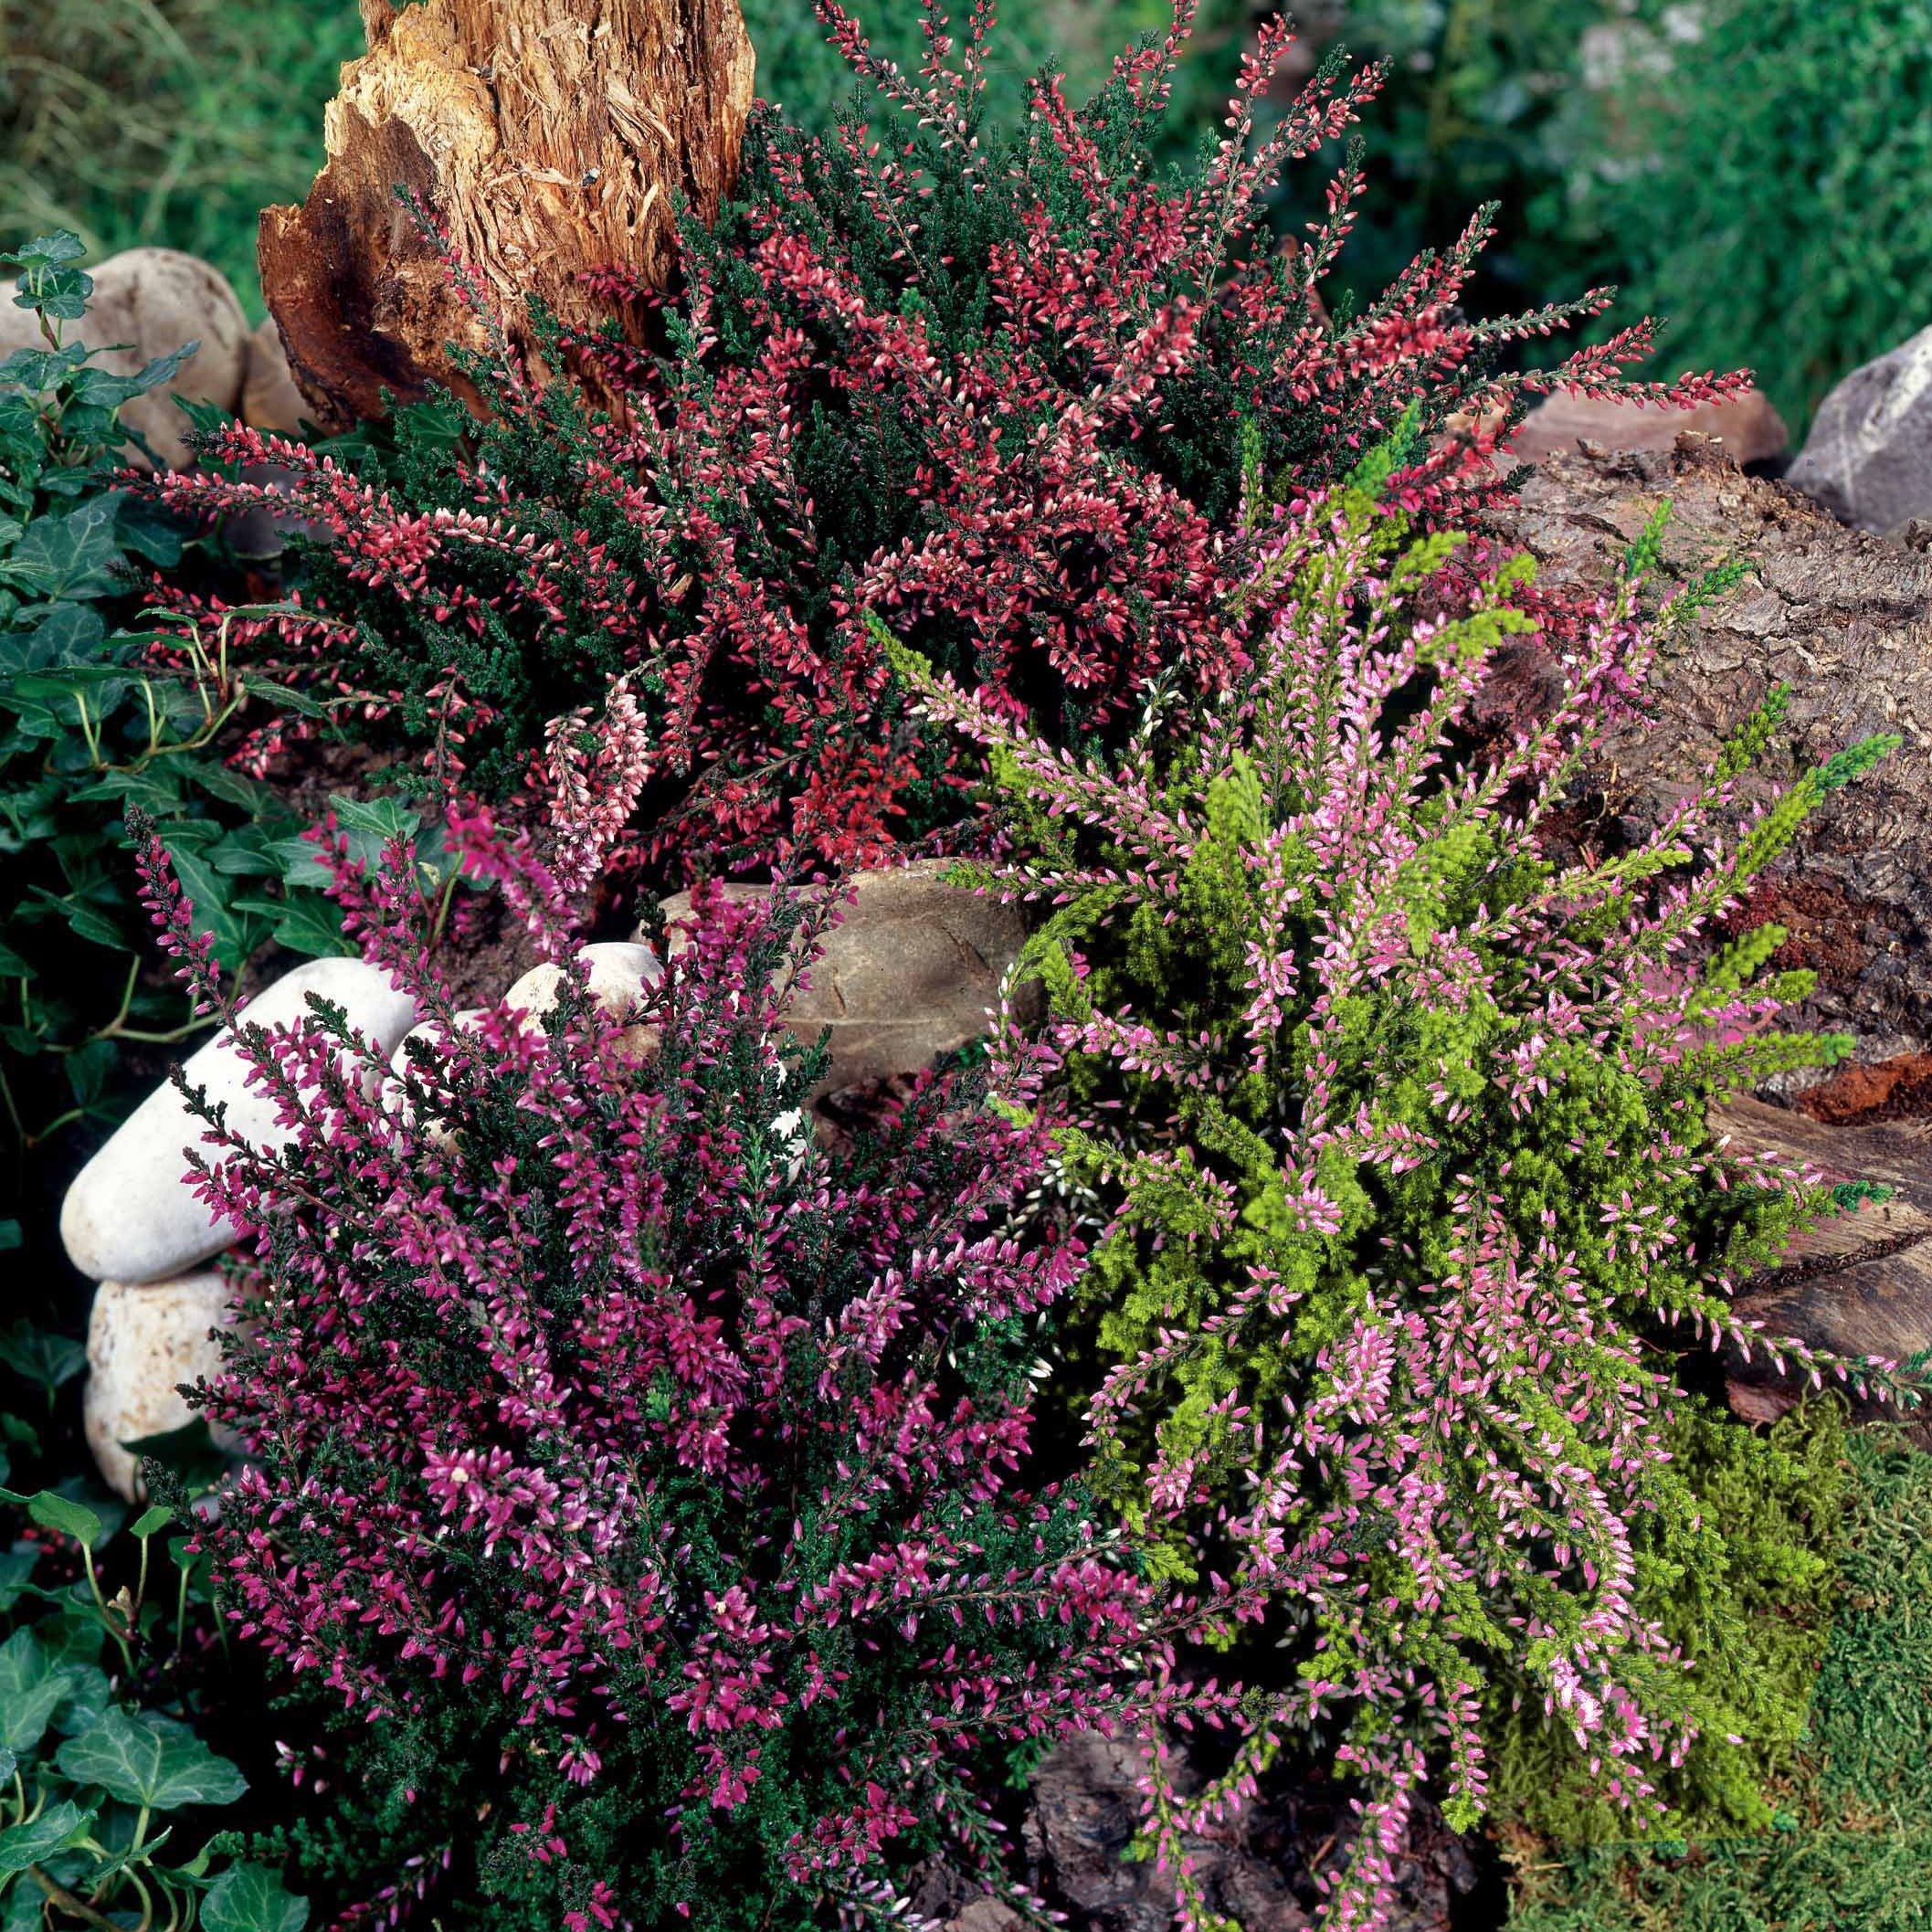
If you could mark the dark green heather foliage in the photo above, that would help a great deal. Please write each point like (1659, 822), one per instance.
(1850, 1847)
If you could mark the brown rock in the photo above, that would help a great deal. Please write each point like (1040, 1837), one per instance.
(1746, 425)
(1842, 619)
(154, 301)
(1857, 1284)
(986, 1915)
(270, 399)
(1258, 1867)
(1085, 1812)
(1895, 1089)
(910, 973)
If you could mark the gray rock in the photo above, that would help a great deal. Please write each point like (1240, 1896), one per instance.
(130, 1215)
(1868, 458)
(143, 1340)
(154, 301)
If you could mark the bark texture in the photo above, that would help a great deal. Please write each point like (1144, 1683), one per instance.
(1858, 1284)
(1845, 620)
(546, 136)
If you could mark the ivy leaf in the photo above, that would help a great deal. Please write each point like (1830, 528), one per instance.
(16, 1567)
(236, 934)
(105, 390)
(57, 1828)
(30, 1691)
(67, 557)
(48, 251)
(46, 1360)
(51, 1510)
(251, 1898)
(305, 923)
(147, 1759)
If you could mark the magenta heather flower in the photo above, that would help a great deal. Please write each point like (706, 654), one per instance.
(639, 1479)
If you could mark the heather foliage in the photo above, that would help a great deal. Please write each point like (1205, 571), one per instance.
(621, 1457)
(1003, 386)
(1402, 1126)
(1754, 1610)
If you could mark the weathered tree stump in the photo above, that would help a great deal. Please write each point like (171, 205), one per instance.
(547, 137)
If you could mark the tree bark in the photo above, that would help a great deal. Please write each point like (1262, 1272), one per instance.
(546, 137)
(1859, 1284)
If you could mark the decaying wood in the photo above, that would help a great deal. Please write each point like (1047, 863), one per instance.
(1858, 1284)
(1842, 619)
(546, 136)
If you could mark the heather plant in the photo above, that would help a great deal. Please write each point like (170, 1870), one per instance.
(1002, 385)
(634, 1479)
(1415, 1206)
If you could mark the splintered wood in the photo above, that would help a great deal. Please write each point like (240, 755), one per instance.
(545, 136)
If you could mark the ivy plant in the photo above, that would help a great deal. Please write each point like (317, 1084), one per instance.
(112, 1805)
(91, 722)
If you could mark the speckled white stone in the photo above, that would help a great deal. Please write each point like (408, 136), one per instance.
(619, 971)
(129, 1216)
(143, 1340)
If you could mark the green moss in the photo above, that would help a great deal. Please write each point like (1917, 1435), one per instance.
(1851, 1846)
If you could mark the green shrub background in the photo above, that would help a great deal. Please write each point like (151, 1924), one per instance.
(1754, 170)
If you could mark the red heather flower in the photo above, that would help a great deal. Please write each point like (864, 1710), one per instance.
(619, 1454)
(1018, 393)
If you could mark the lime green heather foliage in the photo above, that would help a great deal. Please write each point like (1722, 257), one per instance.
(1756, 1612)
(1415, 1207)
(1851, 1843)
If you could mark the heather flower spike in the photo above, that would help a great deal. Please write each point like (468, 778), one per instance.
(1401, 1125)
(1013, 391)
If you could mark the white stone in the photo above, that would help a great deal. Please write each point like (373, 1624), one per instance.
(130, 1214)
(619, 971)
(433, 1034)
(143, 1340)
